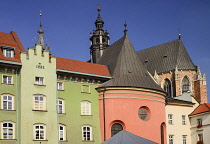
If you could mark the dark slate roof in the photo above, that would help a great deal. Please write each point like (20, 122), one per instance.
(165, 57)
(125, 67)
(124, 137)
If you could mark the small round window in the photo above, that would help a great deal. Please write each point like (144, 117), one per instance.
(143, 113)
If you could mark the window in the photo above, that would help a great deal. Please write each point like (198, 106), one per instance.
(117, 127)
(167, 87)
(171, 139)
(85, 89)
(200, 137)
(39, 103)
(184, 120)
(7, 102)
(39, 80)
(39, 132)
(7, 79)
(170, 119)
(185, 84)
(199, 121)
(85, 108)
(61, 106)
(62, 132)
(86, 133)
(8, 130)
(9, 53)
(143, 113)
(184, 139)
(60, 85)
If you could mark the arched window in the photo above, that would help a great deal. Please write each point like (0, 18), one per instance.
(8, 130)
(86, 133)
(185, 84)
(85, 108)
(167, 87)
(116, 128)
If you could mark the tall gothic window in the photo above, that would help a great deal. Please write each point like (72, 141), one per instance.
(116, 128)
(167, 87)
(185, 84)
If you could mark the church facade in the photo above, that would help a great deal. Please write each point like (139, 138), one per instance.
(47, 99)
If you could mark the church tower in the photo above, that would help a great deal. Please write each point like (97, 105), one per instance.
(99, 40)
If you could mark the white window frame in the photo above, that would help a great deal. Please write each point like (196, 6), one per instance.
(85, 108)
(199, 121)
(201, 134)
(184, 139)
(86, 132)
(170, 119)
(8, 81)
(8, 101)
(184, 121)
(8, 53)
(171, 139)
(60, 106)
(39, 80)
(60, 86)
(39, 102)
(39, 130)
(62, 132)
(8, 129)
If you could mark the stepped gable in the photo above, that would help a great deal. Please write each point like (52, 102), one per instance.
(11, 40)
(81, 67)
(125, 67)
(201, 109)
(165, 57)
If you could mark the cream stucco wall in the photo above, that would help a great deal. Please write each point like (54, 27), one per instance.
(177, 129)
(205, 129)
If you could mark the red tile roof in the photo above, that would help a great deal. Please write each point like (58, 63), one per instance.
(11, 40)
(201, 109)
(82, 67)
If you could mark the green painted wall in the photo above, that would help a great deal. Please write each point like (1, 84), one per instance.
(13, 89)
(72, 118)
(29, 117)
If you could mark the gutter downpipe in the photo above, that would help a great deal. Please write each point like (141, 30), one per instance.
(104, 115)
(17, 108)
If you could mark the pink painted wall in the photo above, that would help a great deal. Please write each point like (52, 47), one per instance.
(119, 108)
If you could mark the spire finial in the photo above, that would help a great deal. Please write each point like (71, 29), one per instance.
(99, 9)
(125, 31)
(40, 31)
(179, 35)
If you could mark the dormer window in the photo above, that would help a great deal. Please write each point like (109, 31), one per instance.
(8, 52)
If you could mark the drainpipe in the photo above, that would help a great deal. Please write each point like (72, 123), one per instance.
(104, 115)
(17, 108)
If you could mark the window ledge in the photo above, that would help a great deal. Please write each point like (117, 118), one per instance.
(7, 84)
(40, 110)
(63, 141)
(40, 140)
(9, 139)
(39, 85)
(61, 90)
(86, 92)
(62, 113)
(88, 141)
(86, 115)
(7, 110)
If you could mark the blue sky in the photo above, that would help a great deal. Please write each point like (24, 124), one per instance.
(67, 24)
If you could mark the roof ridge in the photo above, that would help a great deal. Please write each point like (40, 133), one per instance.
(207, 106)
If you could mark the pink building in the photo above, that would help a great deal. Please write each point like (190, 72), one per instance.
(131, 100)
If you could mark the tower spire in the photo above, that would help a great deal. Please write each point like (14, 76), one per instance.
(40, 31)
(99, 39)
(125, 31)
